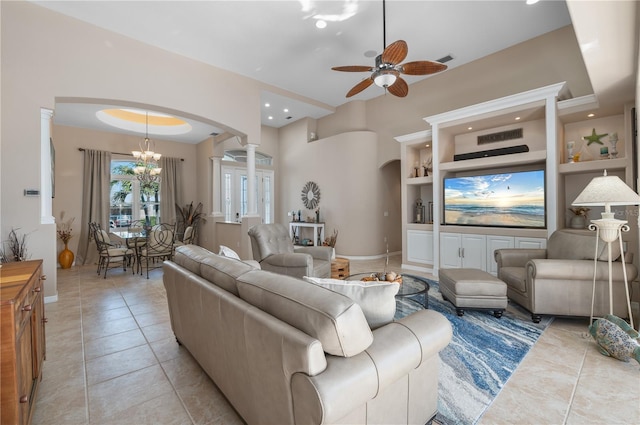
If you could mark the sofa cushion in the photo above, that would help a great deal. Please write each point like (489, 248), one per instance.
(334, 319)
(569, 244)
(376, 299)
(224, 271)
(190, 257)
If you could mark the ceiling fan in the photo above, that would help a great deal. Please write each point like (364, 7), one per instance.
(387, 70)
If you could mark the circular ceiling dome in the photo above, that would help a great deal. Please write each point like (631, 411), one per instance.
(136, 120)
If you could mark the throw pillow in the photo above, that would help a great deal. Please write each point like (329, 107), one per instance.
(376, 299)
(225, 251)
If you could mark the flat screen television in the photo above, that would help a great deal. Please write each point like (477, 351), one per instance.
(515, 199)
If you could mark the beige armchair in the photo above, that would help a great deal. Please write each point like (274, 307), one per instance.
(272, 248)
(559, 280)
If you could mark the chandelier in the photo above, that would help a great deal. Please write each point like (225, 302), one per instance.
(147, 170)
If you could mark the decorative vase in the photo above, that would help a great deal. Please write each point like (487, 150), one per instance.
(66, 257)
(578, 222)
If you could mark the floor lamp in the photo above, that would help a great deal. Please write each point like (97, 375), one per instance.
(607, 191)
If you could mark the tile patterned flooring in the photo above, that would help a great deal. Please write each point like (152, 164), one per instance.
(112, 359)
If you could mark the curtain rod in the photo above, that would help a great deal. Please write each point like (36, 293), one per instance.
(120, 153)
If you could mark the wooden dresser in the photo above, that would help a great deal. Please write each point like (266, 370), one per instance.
(22, 340)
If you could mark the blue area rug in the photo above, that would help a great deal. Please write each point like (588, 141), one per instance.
(481, 357)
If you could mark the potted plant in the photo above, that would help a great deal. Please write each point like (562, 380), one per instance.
(579, 219)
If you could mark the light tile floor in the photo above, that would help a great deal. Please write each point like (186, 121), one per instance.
(112, 358)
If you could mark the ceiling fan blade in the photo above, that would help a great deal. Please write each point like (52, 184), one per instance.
(353, 68)
(399, 88)
(359, 87)
(395, 52)
(421, 67)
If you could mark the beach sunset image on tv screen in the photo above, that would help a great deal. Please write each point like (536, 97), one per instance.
(504, 200)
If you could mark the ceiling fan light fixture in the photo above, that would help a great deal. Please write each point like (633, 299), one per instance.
(385, 78)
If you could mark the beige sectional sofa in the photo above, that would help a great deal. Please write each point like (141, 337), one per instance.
(286, 351)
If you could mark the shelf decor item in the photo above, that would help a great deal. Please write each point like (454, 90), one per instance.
(579, 219)
(594, 137)
(613, 139)
(607, 191)
(570, 146)
(418, 212)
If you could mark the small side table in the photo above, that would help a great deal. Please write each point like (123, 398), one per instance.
(339, 268)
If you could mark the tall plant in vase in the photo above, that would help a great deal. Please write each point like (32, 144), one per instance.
(188, 216)
(65, 233)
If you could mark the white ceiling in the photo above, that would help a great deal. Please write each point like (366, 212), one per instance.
(277, 42)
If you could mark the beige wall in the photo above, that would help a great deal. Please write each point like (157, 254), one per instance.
(69, 167)
(47, 56)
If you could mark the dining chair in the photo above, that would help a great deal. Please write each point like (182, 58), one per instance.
(159, 246)
(108, 251)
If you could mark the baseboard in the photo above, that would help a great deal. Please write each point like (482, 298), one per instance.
(416, 268)
(367, 257)
(51, 299)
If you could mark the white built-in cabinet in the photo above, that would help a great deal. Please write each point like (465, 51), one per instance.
(545, 121)
(476, 251)
(463, 250)
(420, 246)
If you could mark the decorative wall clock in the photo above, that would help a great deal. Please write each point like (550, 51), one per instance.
(310, 195)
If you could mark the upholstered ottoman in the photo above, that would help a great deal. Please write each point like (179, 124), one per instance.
(473, 288)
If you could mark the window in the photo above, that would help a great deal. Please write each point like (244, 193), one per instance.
(236, 197)
(128, 200)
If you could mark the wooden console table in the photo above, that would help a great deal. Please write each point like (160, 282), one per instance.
(23, 342)
(294, 230)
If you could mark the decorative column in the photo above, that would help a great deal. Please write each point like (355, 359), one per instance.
(252, 208)
(216, 186)
(47, 160)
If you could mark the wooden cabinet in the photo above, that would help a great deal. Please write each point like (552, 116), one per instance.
(22, 339)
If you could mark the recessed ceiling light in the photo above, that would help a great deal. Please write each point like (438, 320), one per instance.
(321, 24)
(286, 110)
(530, 2)
(370, 54)
(427, 145)
(270, 117)
(470, 128)
(591, 115)
(517, 118)
(267, 105)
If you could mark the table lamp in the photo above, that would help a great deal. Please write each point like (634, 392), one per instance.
(607, 191)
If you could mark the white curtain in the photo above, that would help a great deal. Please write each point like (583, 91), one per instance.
(95, 201)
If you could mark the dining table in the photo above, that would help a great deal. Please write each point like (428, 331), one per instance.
(133, 239)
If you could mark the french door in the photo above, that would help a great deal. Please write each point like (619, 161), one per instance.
(235, 193)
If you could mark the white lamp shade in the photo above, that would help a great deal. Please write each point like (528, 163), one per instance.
(607, 191)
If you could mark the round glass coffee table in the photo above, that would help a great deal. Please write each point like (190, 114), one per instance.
(414, 286)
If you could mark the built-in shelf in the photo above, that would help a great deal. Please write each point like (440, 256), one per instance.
(419, 226)
(420, 180)
(590, 166)
(495, 161)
